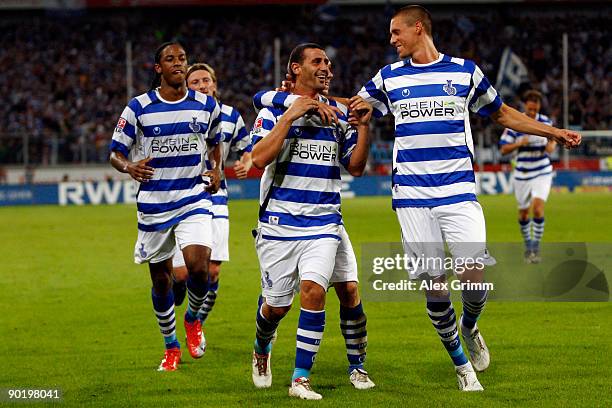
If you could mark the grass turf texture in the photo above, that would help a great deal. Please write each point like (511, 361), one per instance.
(77, 314)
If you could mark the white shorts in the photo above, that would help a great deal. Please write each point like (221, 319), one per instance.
(220, 243)
(526, 190)
(424, 231)
(284, 264)
(157, 246)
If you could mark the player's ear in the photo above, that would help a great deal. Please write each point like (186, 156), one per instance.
(158, 68)
(418, 27)
(296, 69)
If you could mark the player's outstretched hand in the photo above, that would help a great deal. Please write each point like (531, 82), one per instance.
(140, 170)
(240, 169)
(568, 138)
(215, 180)
(360, 112)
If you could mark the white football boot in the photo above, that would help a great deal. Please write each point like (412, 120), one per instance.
(300, 388)
(479, 352)
(466, 378)
(360, 379)
(262, 370)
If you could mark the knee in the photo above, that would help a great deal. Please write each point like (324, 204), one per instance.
(275, 314)
(180, 274)
(524, 214)
(213, 271)
(348, 293)
(162, 283)
(312, 295)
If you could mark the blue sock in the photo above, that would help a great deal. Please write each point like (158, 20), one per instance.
(443, 318)
(309, 336)
(196, 293)
(353, 326)
(526, 232)
(164, 312)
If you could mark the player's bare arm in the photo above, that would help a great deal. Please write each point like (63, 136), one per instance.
(139, 171)
(215, 173)
(359, 117)
(510, 147)
(513, 119)
(550, 146)
(268, 148)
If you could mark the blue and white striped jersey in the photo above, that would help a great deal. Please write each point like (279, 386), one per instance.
(175, 135)
(433, 150)
(531, 160)
(234, 137)
(300, 190)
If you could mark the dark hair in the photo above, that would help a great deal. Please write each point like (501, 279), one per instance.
(532, 95)
(156, 82)
(414, 13)
(297, 55)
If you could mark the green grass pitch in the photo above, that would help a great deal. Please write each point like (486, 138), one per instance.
(76, 314)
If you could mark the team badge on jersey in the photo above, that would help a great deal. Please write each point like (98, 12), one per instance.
(297, 131)
(156, 130)
(194, 125)
(120, 125)
(449, 88)
(258, 125)
(405, 92)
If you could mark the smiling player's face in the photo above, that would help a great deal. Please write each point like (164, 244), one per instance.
(314, 70)
(172, 65)
(403, 37)
(202, 81)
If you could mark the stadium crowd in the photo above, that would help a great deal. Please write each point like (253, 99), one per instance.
(65, 72)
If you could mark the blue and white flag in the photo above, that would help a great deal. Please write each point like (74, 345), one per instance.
(512, 73)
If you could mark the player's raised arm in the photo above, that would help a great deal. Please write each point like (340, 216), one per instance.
(266, 149)
(374, 93)
(359, 117)
(513, 119)
(283, 100)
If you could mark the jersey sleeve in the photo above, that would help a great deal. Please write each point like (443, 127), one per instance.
(373, 92)
(124, 135)
(347, 146)
(263, 125)
(215, 130)
(241, 141)
(273, 99)
(485, 100)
